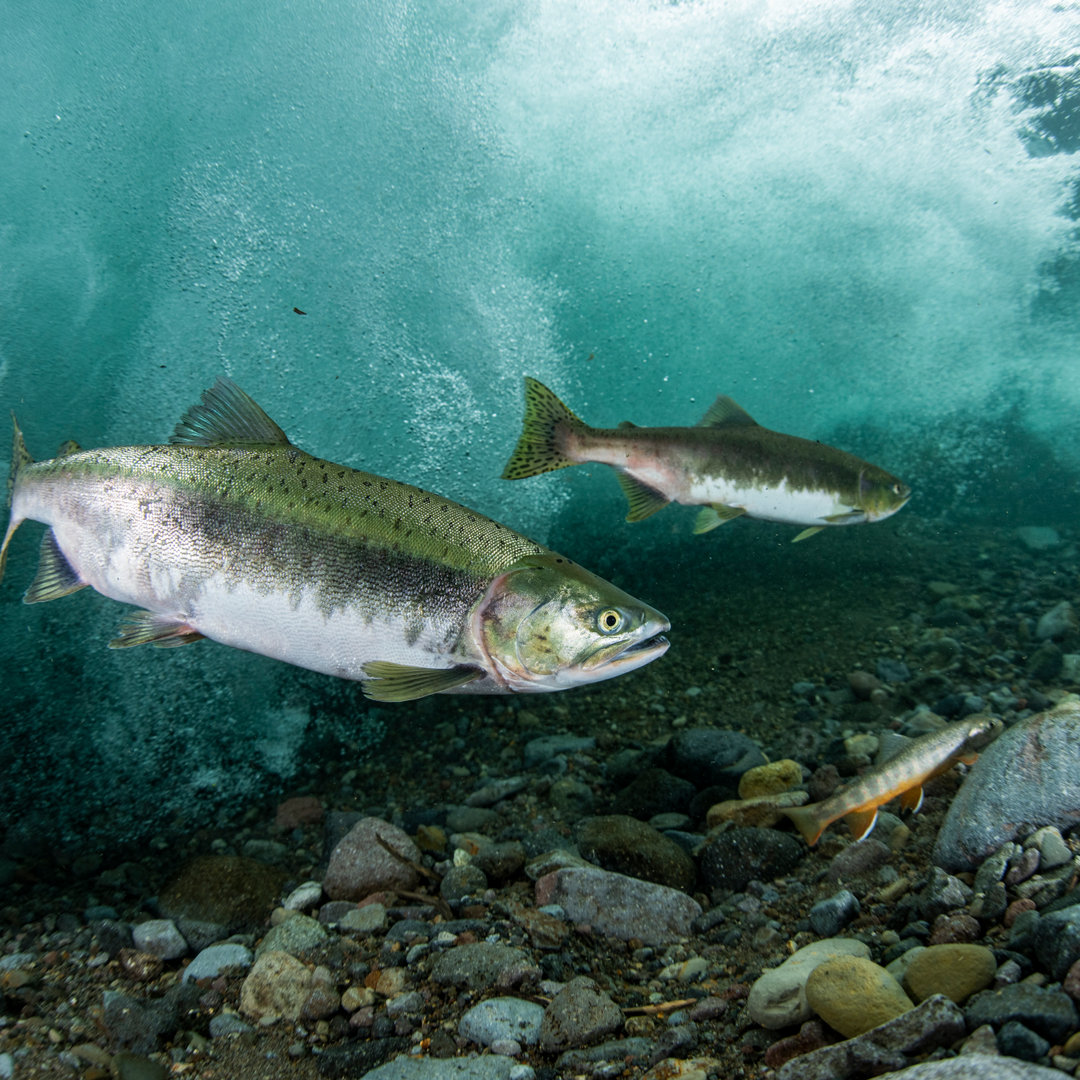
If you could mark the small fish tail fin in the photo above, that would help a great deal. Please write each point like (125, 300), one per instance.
(805, 819)
(20, 457)
(538, 451)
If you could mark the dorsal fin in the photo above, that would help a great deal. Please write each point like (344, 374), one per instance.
(68, 446)
(224, 417)
(724, 412)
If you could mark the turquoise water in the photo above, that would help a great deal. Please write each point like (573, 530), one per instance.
(858, 219)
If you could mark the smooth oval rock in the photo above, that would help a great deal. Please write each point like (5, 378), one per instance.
(852, 995)
(619, 906)
(778, 997)
(215, 959)
(579, 1014)
(502, 1018)
(1026, 778)
(625, 845)
(361, 865)
(230, 890)
(957, 971)
(734, 858)
(277, 985)
(770, 779)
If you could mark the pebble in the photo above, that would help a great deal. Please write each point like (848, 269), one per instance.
(1018, 1041)
(544, 747)
(852, 995)
(712, 757)
(160, 938)
(1028, 777)
(957, 971)
(363, 920)
(619, 906)
(461, 883)
(127, 1066)
(627, 846)
(277, 986)
(478, 965)
(937, 1022)
(654, 791)
(228, 1023)
(303, 896)
(1038, 537)
(778, 997)
(496, 791)
(1056, 623)
(732, 859)
(296, 935)
(828, 917)
(579, 1014)
(359, 864)
(763, 812)
(211, 961)
(1051, 1013)
(1053, 851)
(1057, 940)
(502, 1019)
(770, 779)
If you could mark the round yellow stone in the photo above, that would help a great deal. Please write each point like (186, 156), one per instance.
(957, 971)
(770, 779)
(853, 995)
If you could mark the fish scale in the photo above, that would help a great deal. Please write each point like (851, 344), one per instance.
(234, 534)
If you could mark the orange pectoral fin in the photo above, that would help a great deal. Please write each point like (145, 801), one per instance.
(860, 822)
(912, 799)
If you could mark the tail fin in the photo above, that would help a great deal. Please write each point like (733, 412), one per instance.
(19, 458)
(806, 821)
(538, 450)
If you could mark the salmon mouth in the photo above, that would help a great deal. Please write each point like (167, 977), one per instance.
(637, 653)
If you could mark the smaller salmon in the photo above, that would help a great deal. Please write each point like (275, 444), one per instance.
(903, 775)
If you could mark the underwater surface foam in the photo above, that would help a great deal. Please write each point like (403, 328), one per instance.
(855, 218)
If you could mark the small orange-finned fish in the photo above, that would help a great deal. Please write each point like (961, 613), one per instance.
(903, 775)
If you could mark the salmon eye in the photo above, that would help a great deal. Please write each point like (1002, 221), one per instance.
(610, 621)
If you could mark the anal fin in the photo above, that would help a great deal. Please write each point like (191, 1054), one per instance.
(861, 822)
(153, 628)
(912, 798)
(55, 575)
(644, 501)
(711, 517)
(807, 533)
(402, 682)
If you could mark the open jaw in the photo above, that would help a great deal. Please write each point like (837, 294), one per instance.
(613, 660)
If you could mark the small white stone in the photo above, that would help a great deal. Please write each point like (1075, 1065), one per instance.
(159, 937)
(1053, 851)
(303, 896)
(778, 998)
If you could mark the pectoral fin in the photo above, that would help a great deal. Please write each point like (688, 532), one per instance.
(807, 533)
(55, 576)
(401, 682)
(860, 822)
(710, 517)
(849, 517)
(153, 628)
(644, 501)
(912, 799)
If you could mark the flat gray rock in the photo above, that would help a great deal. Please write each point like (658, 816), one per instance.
(1028, 777)
(983, 1066)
